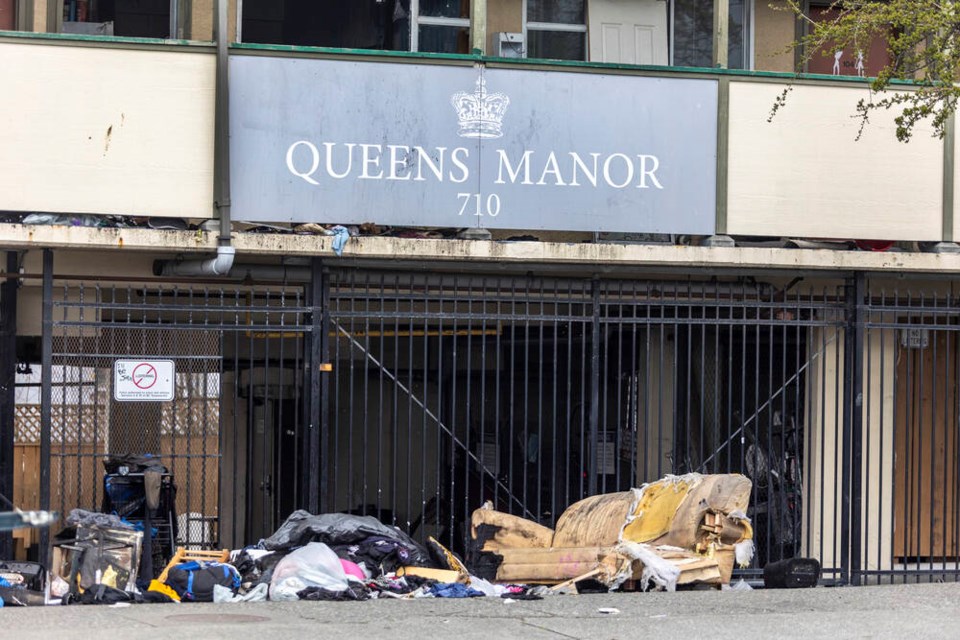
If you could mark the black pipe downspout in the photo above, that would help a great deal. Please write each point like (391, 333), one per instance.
(221, 141)
(8, 379)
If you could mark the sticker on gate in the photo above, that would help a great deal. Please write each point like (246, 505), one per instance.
(143, 380)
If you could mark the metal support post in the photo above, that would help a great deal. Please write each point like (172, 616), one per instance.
(592, 464)
(8, 379)
(315, 473)
(852, 439)
(855, 376)
(46, 396)
(721, 33)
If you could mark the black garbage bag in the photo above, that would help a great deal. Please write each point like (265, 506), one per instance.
(99, 594)
(342, 530)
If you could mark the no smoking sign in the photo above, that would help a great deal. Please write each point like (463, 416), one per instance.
(143, 380)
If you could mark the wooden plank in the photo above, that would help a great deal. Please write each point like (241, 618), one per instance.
(925, 471)
(559, 555)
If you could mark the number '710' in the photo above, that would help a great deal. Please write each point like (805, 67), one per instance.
(492, 208)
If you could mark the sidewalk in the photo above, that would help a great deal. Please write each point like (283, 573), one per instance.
(914, 611)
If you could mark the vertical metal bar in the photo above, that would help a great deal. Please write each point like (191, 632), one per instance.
(583, 463)
(8, 381)
(316, 475)
(916, 452)
(395, 419)
(604, 435)
(932, 473)
(864, 318)
(497, 391)
(949, 445)
(452, 452)
(572, 470)
(526, 382)
(540, 447)
(364, 453)
(423, 409)
(380, 402)
(469, 435)
(954, 427)
(661, 349)
(235, 531)
(483, 392)
(684, 451)
(594, 387)
(882, 417)
(645, 381)
(323, 412)
(440, 413)
(333, 455)
(853, 431)
(281, 455)
(633, 390)
(511, 411)
(410, 369)
(351, 396)
(554, 406)
(702, 373)
(46, 395)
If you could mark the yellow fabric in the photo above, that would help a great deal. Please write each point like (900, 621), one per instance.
(160, 587)
(109, 577)
(658, 505)
(452, 561)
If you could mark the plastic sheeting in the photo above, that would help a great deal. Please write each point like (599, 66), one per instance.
(82, 518)
(340, 529)
(315, 565)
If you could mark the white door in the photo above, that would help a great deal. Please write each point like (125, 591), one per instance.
(628, 31)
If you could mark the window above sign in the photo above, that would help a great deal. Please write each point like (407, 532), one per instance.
(642, 32)
(556, 29)
(435, 26)
(692, 31)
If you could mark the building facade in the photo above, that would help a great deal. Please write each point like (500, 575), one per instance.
(401, 258)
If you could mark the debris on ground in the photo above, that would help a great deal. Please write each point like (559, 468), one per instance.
(677, 531)
(681, 530)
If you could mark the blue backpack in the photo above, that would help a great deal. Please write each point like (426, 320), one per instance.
(194, 581)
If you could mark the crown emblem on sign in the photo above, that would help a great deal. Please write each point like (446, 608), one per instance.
(480, 113)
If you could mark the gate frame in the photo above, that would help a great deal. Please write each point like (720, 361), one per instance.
(312, 493)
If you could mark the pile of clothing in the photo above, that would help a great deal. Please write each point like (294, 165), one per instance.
(331, 556)
(346, 557)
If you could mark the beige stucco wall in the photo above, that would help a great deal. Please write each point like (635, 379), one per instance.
(773, 32)
(105, 130)
(805, 174)
(824, 450)
(97, 265)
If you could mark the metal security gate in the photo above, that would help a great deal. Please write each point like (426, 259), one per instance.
(233, 438)
(907, 453)
(531, 393)
(416, 397)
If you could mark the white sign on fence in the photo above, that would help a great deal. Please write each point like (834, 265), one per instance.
(143, 380)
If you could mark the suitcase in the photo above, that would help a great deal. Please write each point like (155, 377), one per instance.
(795, 573)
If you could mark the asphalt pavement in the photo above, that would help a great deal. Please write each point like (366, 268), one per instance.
(901, 611)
